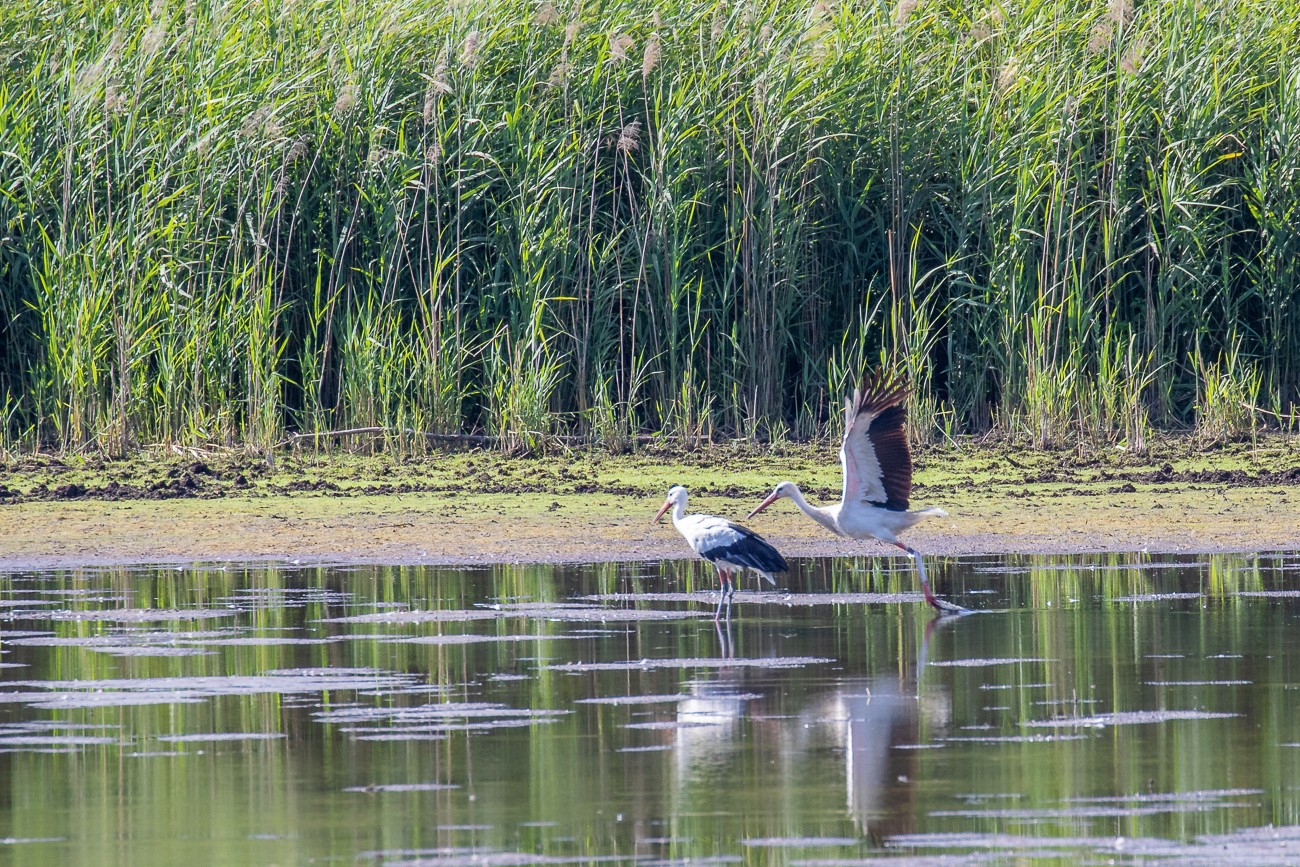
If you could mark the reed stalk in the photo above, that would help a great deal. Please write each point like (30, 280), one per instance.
(1066, 223)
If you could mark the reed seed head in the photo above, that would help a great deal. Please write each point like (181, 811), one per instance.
(261, 123)
(1120, 12)
(1008, 75)
(1100, 36)
(154, 38)
(469, 50)
(298, 150)
(904, 10)
(655, 20)
(547, 15)
(1131, 62)
(559, 75)
(630, 138)
(619, 45)
(87, 79)
(719, 21)
(765, 33)
(571, 32)
(114, 101)
(378, 156)
(346, 101)
(440, 85)
(650, 57)
(433, 154)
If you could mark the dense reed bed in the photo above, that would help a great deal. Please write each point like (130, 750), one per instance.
(226, 221)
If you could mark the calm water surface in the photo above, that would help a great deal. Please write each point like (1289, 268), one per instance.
(1117, 709)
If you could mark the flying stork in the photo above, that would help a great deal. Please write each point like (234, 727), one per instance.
(730, 547)
(877, 475)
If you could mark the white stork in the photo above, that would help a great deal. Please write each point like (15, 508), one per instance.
(877, 475)
(730, 547)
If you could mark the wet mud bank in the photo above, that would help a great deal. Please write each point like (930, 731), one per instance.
(475, 507)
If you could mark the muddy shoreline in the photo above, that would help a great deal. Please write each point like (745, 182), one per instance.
(459, 508)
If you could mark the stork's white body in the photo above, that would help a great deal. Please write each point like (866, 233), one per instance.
(861, 520)
(715, 539)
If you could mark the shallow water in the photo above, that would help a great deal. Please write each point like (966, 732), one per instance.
(1118, 709)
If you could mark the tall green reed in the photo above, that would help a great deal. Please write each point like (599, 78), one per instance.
(224, 222)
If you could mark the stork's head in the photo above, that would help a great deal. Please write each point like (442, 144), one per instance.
(784, 489)
(676, 497)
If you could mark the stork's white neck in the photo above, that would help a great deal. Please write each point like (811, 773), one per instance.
(818, 515)
(679, 512)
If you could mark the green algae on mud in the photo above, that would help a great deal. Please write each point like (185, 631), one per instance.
(480, 506)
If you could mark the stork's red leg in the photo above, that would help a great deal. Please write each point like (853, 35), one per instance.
(938, 604)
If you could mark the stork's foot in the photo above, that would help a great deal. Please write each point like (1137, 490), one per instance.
(942, 606)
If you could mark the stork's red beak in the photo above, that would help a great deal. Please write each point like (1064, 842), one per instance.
(665, 507)
(772, 498)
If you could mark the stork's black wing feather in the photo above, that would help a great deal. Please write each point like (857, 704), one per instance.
(744, 547)
(876, 460)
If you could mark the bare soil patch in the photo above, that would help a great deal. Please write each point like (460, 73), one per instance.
(481, 507)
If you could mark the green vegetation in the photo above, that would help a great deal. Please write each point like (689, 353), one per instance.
(225, 221)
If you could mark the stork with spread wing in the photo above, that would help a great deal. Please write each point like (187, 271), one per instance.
(877, 475)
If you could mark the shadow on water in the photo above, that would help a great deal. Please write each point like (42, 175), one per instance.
(1098, 708)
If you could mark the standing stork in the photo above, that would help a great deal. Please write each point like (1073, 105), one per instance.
(877, 476)
(730, 547)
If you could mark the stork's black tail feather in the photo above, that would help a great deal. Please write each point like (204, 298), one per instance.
(753, 552)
